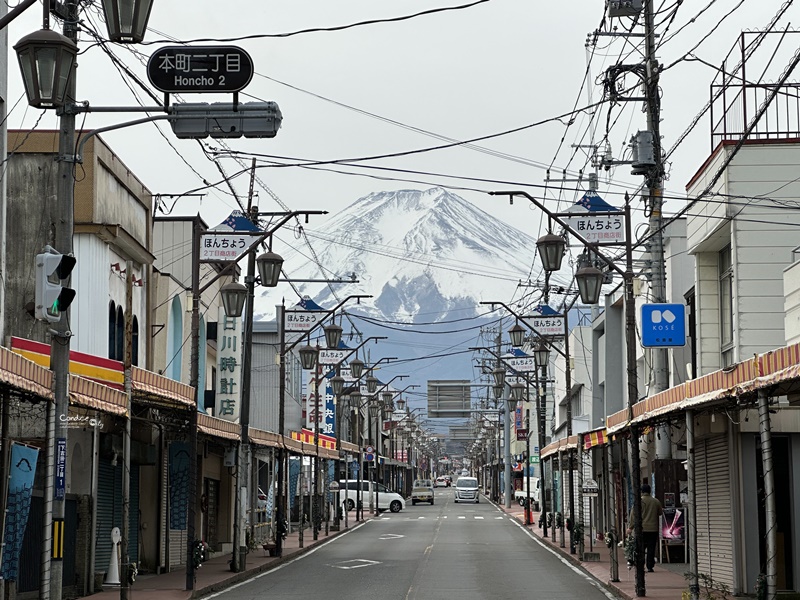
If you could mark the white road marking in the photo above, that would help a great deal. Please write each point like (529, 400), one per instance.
(356, 563)
(477, 517)
(391, 536)
(462, 517)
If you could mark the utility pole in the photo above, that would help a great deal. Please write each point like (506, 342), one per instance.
(52, 565)
(655, 189)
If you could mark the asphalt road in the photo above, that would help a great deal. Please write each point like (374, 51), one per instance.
(440, 552)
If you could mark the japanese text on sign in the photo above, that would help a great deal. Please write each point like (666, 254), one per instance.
(175, 69)
(598, 228)
(223, 247)
(61, 468)
(229, 339)
(551, 325)
(301, 320)
(521, 363)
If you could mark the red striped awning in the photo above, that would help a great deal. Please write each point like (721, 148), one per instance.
(594, 438)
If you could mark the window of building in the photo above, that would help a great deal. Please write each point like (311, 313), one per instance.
(726, 305)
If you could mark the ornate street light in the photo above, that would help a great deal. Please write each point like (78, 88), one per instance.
(541, 355)
(355, 398)
(498, 391)
(233, 295)
(517, 335)
(46, 59)
(356, 368)
(590, 283)
(126, 20)
(551, 249)
(269, 268)
(374, 408)
(337, 385)
(387, 398)
(333, 335)
(517, 392)
(308, 357)
(499, 375)
(400, 403)
(372, 384)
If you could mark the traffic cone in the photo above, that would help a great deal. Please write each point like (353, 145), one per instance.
(112, 575)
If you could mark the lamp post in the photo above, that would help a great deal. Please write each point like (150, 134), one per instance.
(47, 63)
(308, 356)
(376, 410)
(589, 284)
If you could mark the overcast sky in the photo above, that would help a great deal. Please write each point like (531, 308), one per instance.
(392, 87)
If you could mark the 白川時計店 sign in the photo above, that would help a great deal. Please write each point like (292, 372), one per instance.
(200, 69)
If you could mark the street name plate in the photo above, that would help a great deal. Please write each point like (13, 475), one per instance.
(200, 69)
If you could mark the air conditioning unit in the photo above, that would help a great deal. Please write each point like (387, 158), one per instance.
(229, 460)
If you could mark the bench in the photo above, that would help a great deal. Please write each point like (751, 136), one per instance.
(269, 548)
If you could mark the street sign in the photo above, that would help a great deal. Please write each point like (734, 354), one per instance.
(523, 364)
(332, 357)
(522, 435)
(333, 486)
(590, 488)
(199, 69)
(549, 325)
(302, 320)
(663, 325)
(534, 460)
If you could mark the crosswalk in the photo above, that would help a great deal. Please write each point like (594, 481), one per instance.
(438, 517)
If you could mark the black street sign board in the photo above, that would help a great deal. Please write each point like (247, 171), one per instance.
(200, 69)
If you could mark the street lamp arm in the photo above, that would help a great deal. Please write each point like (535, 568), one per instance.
(286, 217)
(555, 217)
(328, 314)
(526, 324)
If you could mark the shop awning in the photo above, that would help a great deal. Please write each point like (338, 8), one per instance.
(90, 394)
(779, 368)
(161, 390)
(216, 427)
(597, 437)
(569, 443)
(24, 375)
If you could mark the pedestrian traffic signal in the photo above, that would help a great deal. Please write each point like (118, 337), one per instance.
(52, 296)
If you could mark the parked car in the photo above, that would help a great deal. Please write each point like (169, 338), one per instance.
(466, 490)
(387, 499)
(422, 491)
(441, 482)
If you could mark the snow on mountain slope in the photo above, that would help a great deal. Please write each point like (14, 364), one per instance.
(423, 256)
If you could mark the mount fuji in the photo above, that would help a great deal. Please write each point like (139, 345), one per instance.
(423, 256)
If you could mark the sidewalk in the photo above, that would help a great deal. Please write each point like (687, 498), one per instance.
(215, 575)
(665, 583)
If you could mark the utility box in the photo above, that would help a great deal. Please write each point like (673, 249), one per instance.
(644, 154)
(624, 8)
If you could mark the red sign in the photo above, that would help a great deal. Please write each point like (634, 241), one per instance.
(522, 435)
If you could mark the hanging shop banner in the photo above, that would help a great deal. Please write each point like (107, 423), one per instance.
(229, 343)
(22, 471)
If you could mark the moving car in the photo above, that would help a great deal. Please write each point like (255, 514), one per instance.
(441, 482)
(466, 490)
(387, 499)
(422, 491)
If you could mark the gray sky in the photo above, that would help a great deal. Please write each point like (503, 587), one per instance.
(462, 74)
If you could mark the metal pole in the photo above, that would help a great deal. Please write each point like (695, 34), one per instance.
(194, 366)
(612, 506)
(124, 589)
(315, 475)
(4, 472)
(633, 398)
(377, 460)
(280, 511)
(561, 489)
(540, 407)
(568, 382)
(694, 566)
(527, 457)
(771, 524)
(52, 569)
(507, 488)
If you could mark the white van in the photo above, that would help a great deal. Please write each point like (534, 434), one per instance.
(387, 499)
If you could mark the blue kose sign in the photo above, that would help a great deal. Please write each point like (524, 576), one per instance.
(663, 325)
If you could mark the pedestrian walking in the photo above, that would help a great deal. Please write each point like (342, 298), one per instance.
(651, 513)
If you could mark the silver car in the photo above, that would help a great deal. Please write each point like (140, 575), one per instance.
(466, 490)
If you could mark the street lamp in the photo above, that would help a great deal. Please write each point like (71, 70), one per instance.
(551, 249)
(498, 391)
(46, 59)
(372, 384)
(333, 335)
(400, 403)
(499, 375)
(126, 20)
(541, 355)
(308, 357)
(517, 335)
(517, 393)
(269, 268)
(590, 283)
(233, 296)
(356, 368)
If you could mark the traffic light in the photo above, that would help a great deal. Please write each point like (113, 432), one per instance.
(52, 296)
